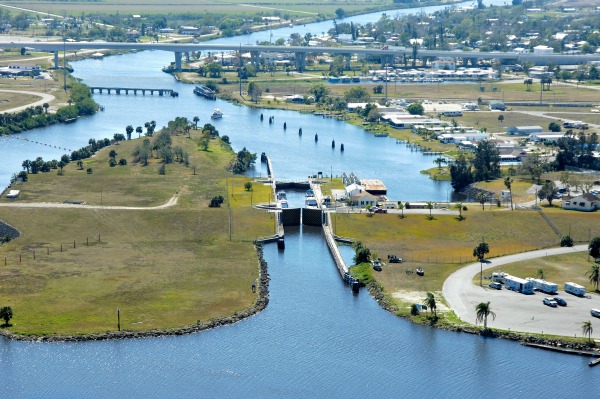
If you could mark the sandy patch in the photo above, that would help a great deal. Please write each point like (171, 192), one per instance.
(418, 297)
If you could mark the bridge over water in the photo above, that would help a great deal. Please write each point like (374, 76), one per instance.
(387, 56)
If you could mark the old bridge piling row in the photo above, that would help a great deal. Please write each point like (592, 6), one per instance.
(126, 90)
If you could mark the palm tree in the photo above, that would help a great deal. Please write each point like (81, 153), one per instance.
(430, 207)
(129, 130)
(540, 273)
(26, 165)
(500, 118)
(46, 106)
(483, 311)
(594, 275)
(6, 313)
(508, 183)
(139, 131)
(196, 120)
(439, 161)
(587, 329)
(429, 301)
(479, 252)
(459, 206)
(481, 198)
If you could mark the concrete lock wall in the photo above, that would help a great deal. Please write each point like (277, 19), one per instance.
(312, 217)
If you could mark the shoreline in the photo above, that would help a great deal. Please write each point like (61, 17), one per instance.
(259, 305)
(556, 344)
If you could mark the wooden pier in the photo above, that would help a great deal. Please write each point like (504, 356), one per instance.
(126, 90)
(571, 351)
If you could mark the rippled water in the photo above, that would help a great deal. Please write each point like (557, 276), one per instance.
(315, 339)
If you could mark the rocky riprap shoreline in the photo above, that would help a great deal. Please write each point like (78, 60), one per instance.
(260, 304)
(378, 294)
(8, 230)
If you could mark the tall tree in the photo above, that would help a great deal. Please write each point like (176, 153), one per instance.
(594, 247)
(587, 329)
(548, 192)
(508, 184)
(6, 313)
(483, 310)
(460, 172)
(129, 130)
(594, 275)
(486, 163)
(429, 301)
(479, 252)
(439, 161)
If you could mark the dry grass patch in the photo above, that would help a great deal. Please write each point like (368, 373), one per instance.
(163, 268)
(581, 225)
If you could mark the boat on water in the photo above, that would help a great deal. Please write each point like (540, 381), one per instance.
(311, 202)
(205, 92)
(282, 204)
(309, 193)
(216, 114)
(281, 195)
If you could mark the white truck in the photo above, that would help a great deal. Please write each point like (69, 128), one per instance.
(544, 286)
(574, 289)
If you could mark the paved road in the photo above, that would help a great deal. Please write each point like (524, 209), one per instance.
(171, 202)
(45, 98)
(515, 311)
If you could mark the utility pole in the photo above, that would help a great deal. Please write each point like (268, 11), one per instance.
(118, 319)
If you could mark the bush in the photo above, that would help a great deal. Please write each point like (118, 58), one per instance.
(216, 201)
(566, 241)
(122, 162)
(414, 309)
(112, 163)
(162, 170)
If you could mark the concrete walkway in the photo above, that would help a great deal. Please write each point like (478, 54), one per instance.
(518, 312)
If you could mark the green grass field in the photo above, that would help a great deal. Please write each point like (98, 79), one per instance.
(163, 268)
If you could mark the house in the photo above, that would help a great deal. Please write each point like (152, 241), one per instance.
(541, 49)
(585, 202)
(497, 105)
(189, 30)
(363, 199)
(524, 130)
(354, 189)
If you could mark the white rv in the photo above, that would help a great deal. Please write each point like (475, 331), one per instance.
(543, 286)
(574, 289)
(518, 284)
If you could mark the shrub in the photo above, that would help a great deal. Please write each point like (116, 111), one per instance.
(414, 309)
(122, 162)
(566, 241)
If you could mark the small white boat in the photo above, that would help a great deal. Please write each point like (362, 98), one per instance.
(311, 202)
(281, 195)
(216, 114)
(283, 204)
(309, 193)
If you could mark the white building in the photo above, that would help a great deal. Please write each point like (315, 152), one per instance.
(444, 63)
(524, 130)
(541, 49)
(585, 202)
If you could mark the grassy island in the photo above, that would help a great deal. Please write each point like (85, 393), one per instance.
(142, 241)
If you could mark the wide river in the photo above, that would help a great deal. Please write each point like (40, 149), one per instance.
(315, 338)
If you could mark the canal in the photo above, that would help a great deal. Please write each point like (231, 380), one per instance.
(315, 339)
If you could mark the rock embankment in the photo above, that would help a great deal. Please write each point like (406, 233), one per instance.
(8, 230)
(260, 304)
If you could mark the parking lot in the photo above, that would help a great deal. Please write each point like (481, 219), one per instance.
(518, 312)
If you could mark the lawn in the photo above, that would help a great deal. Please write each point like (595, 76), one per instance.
(163, 268)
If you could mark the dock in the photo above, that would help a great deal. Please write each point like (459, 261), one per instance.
(279, 231)
(570, 351)
(134, 90)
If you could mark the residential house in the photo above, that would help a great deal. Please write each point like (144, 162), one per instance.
(585, 202)
(363, 199)
(524, 130)
(354, 189)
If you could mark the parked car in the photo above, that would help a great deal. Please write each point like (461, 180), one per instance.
(560, 301)
(495, 285)
(550, 302)
(595, 312)
(379, 210)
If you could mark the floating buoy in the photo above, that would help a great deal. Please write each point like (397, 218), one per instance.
(300, 132)
(316, 137)
(284, 125)
(342, 147)
(261, 117)
(270, 121)
(332, 143)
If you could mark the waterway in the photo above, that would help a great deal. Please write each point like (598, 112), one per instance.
(315, 339)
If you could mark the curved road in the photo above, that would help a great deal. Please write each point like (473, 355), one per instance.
(171, 202)
(46, 98)
(518, 312)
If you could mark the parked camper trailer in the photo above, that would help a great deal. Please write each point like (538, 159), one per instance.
(543, 286)
(574, 289)
(498, 277)
(518, 284)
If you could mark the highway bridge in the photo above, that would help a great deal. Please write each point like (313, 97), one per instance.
(387, 56)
